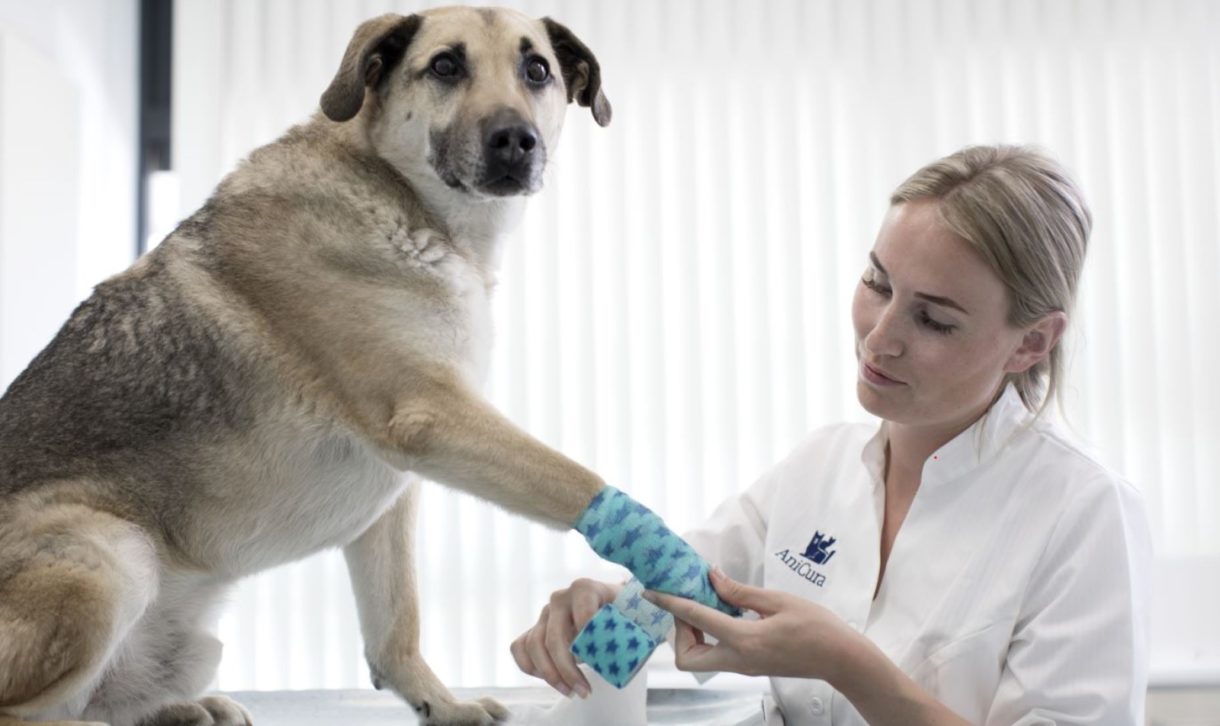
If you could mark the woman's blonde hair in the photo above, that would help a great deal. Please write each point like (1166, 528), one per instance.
(1029, 221)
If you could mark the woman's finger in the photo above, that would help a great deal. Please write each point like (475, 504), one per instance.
(691, 653)
(712, 622)
(540, 657)
(587, 599)
(560, 632)
(522, 656)
(741, 595)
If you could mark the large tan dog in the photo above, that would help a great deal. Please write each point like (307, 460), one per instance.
(256, 388)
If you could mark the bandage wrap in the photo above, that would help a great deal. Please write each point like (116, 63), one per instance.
(622, 635)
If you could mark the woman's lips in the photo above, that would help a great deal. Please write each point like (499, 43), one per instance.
(876, 377)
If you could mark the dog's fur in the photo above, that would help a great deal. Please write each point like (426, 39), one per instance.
(257, 388)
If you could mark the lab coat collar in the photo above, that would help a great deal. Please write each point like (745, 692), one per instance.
(967, 451)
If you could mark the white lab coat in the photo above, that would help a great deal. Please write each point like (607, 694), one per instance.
(1016, 590)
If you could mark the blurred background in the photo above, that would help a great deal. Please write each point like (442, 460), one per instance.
(673, 311)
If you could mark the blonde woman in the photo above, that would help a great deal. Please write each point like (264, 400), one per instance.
(963, 562)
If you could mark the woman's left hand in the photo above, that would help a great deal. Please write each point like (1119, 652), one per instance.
(794, 637)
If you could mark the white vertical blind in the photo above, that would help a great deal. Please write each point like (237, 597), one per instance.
(674, 310)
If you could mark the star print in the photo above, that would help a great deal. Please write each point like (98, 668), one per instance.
(654, 555)
(612, 646)
(658, 616)
(610, 625)
(634, 601)
(631, 536)
(613, 669)
(592, 530)
(634, 643)
(632, 664)
(618, 517)
(591, 649)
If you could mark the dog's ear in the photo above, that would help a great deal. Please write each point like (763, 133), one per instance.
(581, 73)
(375, 48)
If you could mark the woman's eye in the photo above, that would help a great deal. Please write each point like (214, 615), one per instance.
(445, 66)
(933, 324)
(870, 281)
(537, 71)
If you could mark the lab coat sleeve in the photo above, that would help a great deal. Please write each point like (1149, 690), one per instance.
(1079, 650)
(734, 536)
(733, 539)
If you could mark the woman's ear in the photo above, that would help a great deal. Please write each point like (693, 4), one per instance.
(1037, 342)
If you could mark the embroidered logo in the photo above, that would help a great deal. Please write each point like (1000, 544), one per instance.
(819, 549)
(818, 552)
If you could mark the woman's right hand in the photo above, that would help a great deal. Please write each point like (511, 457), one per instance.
(544, 652)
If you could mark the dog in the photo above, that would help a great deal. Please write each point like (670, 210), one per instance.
(267, 382)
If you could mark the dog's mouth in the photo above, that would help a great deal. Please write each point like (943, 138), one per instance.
(505, 185)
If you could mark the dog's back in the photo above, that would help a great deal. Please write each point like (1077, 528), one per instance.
(135, 369)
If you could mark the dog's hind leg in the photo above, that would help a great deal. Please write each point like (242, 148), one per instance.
(73, 581)
(381, 563)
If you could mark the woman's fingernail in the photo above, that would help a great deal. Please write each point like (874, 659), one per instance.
(563, 688)
(718, 572)
(582, 690)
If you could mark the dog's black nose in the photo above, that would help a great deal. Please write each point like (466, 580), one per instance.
(509, 140)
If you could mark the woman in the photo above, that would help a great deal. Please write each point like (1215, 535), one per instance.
(962, 562)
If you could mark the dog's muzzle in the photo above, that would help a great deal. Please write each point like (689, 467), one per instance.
(513, 155)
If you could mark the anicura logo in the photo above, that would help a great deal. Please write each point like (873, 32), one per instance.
(819, 548)
(817, 552)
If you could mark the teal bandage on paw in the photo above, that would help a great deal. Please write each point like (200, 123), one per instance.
(622, 635)
(622, 530)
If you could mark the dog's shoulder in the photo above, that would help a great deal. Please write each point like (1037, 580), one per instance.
(135, 364)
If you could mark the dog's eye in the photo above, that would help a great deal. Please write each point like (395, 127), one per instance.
(445, 66)
(537, 71)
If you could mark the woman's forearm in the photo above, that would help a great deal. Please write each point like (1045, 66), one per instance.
(883, 694)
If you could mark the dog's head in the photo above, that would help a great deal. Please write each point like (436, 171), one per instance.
(474, 97)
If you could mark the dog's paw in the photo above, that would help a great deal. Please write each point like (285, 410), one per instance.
(208, 711)
(483, 712)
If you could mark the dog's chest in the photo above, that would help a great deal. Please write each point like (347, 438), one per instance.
(459, 326)
(289, 492)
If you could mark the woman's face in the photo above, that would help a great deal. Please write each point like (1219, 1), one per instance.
(932, 337)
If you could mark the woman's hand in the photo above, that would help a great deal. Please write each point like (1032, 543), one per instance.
(794, 638)
(543, 650)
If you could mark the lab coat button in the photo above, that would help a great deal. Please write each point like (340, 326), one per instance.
(816, 706)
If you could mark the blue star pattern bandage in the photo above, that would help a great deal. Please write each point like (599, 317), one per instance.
(626, 532)
(622, 635)
(614, 646)
(622, 530)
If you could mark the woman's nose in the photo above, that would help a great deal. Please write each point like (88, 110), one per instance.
(885, 337)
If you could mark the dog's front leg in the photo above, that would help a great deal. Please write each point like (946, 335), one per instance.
(381, 563)
(449, 434)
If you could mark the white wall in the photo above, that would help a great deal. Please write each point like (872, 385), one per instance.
(68, 103)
